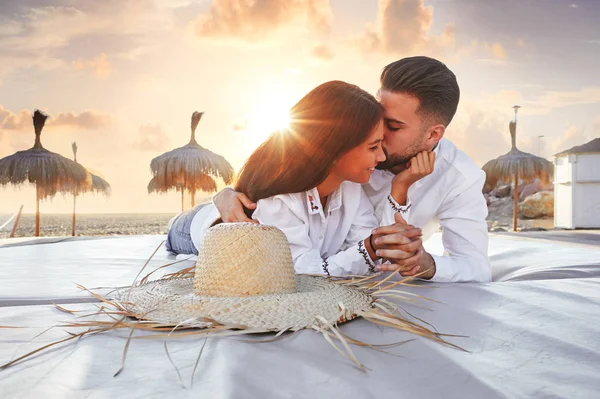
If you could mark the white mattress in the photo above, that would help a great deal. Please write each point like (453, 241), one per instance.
(531, 338)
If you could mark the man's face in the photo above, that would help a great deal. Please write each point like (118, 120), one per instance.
(404, 129)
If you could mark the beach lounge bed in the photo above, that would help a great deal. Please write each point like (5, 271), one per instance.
(533, 332)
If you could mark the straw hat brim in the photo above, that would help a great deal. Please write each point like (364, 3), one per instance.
(173, 302)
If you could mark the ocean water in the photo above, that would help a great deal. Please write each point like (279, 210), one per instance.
(90, 224)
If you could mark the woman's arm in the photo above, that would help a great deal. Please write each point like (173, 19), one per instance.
(289, 216)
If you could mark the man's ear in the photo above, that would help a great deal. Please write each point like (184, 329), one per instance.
(435, 134)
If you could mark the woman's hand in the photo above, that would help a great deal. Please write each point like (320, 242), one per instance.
(230, 205)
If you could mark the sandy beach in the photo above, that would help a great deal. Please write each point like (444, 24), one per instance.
(52, 225)
(92, 224)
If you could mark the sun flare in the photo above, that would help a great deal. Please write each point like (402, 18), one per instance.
(267, 117)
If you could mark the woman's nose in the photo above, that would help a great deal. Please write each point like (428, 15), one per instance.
(381, 155)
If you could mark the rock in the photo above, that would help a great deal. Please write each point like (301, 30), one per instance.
(538, 205)
(535, 187)
(501, 192)
(499, 230)
(530, 189)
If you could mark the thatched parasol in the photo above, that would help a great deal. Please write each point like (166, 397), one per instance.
(50, 172)
(187, 167)
(514, 165)
(99, 185)
(204, 183)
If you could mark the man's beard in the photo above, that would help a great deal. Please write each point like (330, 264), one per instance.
(396, 160)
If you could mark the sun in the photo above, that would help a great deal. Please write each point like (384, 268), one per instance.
(267, 117)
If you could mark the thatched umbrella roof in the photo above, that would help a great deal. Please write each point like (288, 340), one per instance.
(50, 172)
(98, 185)
(191, 162)
(189, 166)
(515, 165)
(205, 183)
(526, 165)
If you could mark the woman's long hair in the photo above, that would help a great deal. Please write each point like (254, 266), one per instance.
(329, 121)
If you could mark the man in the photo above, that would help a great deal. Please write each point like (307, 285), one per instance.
(420, 96)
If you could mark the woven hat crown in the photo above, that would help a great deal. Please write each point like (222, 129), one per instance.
(244, 259)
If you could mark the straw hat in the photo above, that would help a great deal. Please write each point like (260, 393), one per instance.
(244, 283)
(244, 277)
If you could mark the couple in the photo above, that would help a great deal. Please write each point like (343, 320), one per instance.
(354, 182)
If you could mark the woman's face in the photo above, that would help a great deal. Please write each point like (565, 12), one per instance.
(358, 164)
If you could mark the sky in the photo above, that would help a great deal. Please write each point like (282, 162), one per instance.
(123, 77)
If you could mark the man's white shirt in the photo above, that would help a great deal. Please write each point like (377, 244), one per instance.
(451, 196)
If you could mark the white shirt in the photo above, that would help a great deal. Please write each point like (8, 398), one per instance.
(451, 196)
(322, 241)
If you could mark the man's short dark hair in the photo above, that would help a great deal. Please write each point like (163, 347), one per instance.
(427, 79)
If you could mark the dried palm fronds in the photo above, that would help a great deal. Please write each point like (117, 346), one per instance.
(187, 167)
(515, 165)
(98, 185)
(50, 172)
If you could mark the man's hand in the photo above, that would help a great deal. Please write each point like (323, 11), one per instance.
(230, 205)
(418, 167)
(402, 245)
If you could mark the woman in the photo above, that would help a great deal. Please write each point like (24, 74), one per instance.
(307, 180)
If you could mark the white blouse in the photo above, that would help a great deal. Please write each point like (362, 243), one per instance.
(324, 241)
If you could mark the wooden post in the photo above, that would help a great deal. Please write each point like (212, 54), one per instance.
(16, 225)
(181, 199)
(193, 199)
(516, 205)
(73, 228)
(37, 211)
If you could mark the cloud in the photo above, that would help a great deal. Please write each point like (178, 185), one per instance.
(14, 121)
(253, 20)
(151, 137)
(44, 37)
(552, 99)
(240, 125)
(574, 136)
(100, 66)
(403, 26)
(21, 121)
(322, 52)
(481, 134)
(84, 120)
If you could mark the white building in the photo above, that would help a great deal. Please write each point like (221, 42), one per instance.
(577, 187)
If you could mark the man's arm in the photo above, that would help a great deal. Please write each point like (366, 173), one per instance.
(465, 237)
(230, 205)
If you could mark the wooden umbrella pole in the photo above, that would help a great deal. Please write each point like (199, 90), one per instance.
(73, 228)
(193, 199)
(182, 199)
(37, 211)
(516, 205)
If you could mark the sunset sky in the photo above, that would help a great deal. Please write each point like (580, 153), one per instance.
(122, 77)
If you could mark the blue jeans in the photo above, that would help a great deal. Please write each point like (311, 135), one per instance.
(179, 240)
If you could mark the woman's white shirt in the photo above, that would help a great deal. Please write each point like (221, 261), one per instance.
(323, 241)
